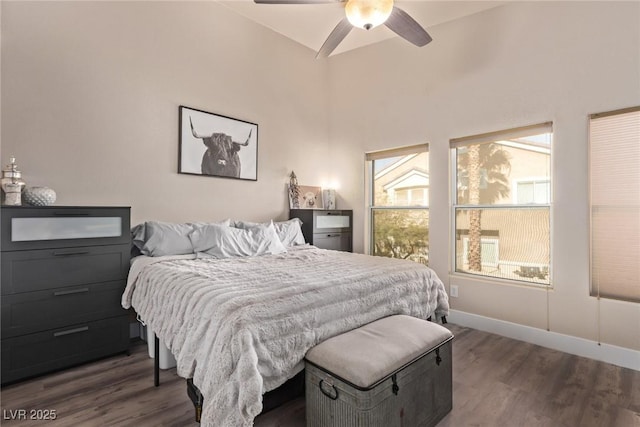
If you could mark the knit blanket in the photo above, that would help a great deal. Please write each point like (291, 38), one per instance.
(241, 327)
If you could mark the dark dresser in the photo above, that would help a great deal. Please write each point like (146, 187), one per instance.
(326, 229)
(63, 271)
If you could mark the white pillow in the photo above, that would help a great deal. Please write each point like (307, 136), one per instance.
(289, 232)
(220, 241)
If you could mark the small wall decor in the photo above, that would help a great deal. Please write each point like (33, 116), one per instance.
(215, 145)
(308, 197)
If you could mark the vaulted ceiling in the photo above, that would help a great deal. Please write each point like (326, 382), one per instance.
(310, 24)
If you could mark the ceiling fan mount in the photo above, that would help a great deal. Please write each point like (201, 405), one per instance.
(366, 14)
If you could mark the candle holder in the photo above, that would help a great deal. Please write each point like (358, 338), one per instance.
(12, 184)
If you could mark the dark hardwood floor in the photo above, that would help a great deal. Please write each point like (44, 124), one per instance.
(497, 381)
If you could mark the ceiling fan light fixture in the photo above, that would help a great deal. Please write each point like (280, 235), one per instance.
(368, 14)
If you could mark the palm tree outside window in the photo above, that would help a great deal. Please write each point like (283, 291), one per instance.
(501, 215)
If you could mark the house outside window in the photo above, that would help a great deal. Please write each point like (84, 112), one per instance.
(490, 253)
(502, 203)
(411, 196)
(530, 191)
(399, 207)
(614, 169)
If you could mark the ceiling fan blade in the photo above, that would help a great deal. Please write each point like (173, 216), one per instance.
(296, 1)
(337, 35)
(406, 27)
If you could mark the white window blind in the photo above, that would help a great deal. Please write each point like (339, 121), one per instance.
(615, 204)
(407, 150)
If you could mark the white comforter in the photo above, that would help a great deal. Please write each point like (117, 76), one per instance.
(241, 327)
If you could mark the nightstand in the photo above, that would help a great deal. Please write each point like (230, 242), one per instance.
(326, 229)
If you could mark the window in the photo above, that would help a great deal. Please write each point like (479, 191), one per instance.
(411, 197)
(502, 203)
(530, 191)
(614, 140)
(489, 251)
(399, 208)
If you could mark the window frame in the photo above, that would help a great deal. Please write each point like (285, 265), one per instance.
(489, 137)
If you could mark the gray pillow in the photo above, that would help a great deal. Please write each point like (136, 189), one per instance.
(165, 238)
(220, 241)
(156, 238)
(137, 235)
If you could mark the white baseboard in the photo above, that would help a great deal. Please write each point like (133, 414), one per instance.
(620, 356)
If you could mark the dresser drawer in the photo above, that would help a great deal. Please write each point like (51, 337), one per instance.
(27, 228)
(27, 271)
(34, 354)
(333, 241)
(31, 312)
(325, 221)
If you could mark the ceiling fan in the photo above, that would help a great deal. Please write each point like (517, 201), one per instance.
(366, 14)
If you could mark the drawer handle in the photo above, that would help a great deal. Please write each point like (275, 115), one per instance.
(71, 213)
(70, 253)
(333, 235)
(75, 291)
(71, 331)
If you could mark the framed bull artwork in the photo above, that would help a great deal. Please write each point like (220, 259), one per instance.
(215, 145)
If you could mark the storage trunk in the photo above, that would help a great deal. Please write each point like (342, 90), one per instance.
(424, 395)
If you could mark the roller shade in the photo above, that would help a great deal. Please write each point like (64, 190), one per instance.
(509, 134)
(615, 204)
(396, 152)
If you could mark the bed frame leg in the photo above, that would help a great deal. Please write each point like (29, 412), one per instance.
(156, 360)
(196, 398)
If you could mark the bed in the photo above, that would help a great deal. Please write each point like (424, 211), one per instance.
(240, 326)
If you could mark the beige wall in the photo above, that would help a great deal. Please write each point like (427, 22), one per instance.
(519, 64)
(91, 93)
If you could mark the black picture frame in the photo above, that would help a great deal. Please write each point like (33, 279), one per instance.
(219, 146)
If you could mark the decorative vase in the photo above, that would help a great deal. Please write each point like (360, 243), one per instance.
(12, 184)
(39, 196)
(329, 197)
(12, 194)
